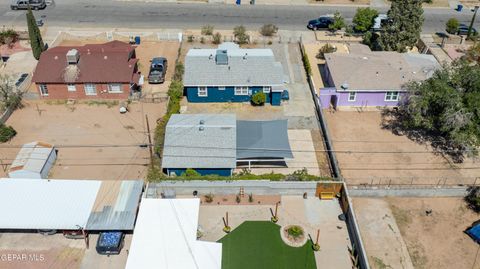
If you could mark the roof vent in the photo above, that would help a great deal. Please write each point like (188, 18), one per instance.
(56, 57)
(105, 57)
(201, 128)
(365, 58)
(202, 122)
(245, 56)
(344, 86)
(73, 56)
(221, 57)
(210, 57)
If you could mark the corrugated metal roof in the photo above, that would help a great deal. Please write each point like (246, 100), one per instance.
(32, 157)
(46, 204)
(246, 67)
(116, 205)
(263, 139)
(192, 144)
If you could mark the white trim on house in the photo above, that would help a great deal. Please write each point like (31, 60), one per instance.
(88, 89)
(241, 90)
(71, 87)
(221, 88)
(202, 91)
(115, 88)
(43, 89)
(267, 89)
(350, 95)
(392, 96)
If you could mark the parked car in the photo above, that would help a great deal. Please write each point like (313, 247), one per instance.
(21, 79)
(23, 4)
(463, 30)
(320, 23)
(158, 69)
(46, 232)
(74, 234)
(110, 243)
(380, 20)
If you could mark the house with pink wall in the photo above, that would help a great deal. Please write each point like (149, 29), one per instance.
(365, 78)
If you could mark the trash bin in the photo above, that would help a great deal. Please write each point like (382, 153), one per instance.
(137, 40)
(238, 2)
(459, 8)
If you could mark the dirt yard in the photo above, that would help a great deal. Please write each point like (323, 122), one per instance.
(94, 141)
(369, 154)
(436, 241)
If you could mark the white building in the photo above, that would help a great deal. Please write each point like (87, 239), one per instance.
(34, 160)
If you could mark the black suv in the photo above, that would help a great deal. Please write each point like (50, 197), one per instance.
(320, 23)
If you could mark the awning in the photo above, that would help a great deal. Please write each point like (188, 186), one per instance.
(263, 140)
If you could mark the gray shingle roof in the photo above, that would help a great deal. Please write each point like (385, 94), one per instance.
(246, 67)
(188, 145)
(364, 70)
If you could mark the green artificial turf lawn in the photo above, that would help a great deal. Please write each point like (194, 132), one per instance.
(258, 245)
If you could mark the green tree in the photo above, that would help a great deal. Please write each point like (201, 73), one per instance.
(405, 19)
(259, 98)
(338, 22)
(364, 19)
(36, 41)
(452, 26)
(240, 34)
(327, 48)
(444, 109)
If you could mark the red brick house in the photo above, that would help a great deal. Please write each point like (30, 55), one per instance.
(96, 71)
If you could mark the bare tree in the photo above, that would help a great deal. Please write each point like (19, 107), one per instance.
(9, 95)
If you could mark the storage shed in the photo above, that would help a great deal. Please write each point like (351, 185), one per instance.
(34, 160)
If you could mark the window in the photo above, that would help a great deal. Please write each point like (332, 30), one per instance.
(221, 88)
(71, 87)
(391, 96)
(352, 96)
(43, 89)
(115, 88)
(90, 89)
(241, 90)
(267, 89)
(202, 92)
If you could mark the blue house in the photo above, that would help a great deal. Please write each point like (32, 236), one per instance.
(231, 74)
(213, 144)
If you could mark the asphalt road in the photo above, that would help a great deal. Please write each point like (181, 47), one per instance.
(117, 14)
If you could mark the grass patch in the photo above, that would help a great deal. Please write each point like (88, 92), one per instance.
(109, 104)
(402, 218)
(257, 244)
(379, 264)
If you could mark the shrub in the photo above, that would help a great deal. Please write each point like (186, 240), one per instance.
(202, 40)
(259, 98)
(240, 34)
(452, 26)
(207, 29)
(191, 173)
(295, 231)
(6, 133)
(250, 198)
(209, 197)
(473, 198)
(338, 22)
(217, 38)
(237, 199)
(190, 38)
(268, 29)
(179, 70)
(306, 65)
(327, 48)
(364, 19)
(8, 37)
(175, 91)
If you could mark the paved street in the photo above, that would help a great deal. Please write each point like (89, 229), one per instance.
(117, 14)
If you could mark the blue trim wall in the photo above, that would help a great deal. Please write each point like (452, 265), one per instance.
(225, 172)
(214, 95)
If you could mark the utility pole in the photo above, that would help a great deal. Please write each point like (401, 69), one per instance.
(149, 141)
(471, 23)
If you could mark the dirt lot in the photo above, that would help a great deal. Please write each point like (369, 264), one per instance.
(380, 234)
(36, 251)
(369, 154)
(436, 241)
(87, 137)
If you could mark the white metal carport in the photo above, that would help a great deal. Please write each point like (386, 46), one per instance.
(46, 204)
(165, 237)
